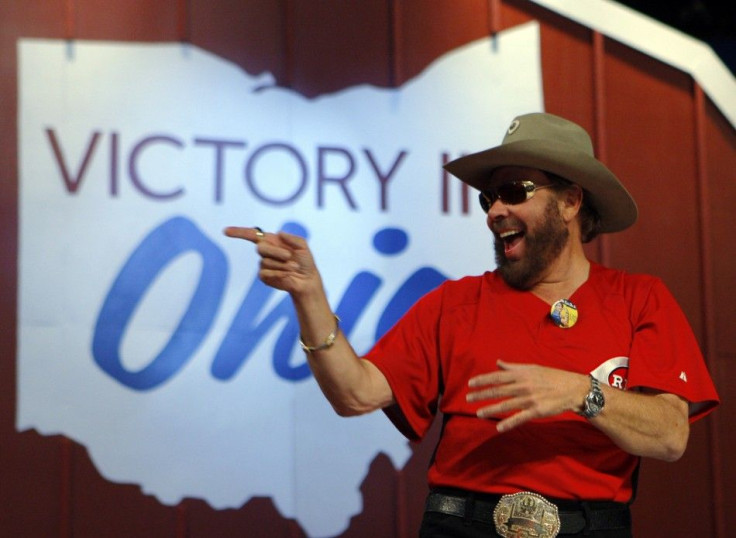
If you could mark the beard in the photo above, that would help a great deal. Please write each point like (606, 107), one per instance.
(543, 244)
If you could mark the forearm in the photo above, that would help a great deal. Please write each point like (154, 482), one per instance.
(650, 424)
(352, 385)
(644, 424)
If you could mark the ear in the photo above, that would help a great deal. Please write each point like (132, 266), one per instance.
(571, 200)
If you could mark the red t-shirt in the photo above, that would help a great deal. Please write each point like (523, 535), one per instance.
(630, 333)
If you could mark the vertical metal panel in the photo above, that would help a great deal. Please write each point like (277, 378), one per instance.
(720, 175)
(599, 112)
(339, 44)
(426, 33)
(69, 19)
(706, 281)
(257, 517)
(402, 511)
(31, 488)
(132, 20)
(651, 141)
(288, 39)
(256, 35)
(65, 491)
(184, 21)
(494, 17)
(182, 515)
(101, 507)
(396, 53)
(394, 16)
(665, 161)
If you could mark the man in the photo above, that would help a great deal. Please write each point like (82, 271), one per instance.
(553, 374)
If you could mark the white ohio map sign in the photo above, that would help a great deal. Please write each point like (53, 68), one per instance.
(145, 335)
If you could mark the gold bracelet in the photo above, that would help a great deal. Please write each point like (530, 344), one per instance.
(324, 345)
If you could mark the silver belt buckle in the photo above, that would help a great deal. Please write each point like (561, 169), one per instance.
(526, 515)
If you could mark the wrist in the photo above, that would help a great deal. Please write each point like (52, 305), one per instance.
(310, 297)
(324, 344)
(594, 400)
(581, 391)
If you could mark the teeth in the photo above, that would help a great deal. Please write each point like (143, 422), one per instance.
(504, 235)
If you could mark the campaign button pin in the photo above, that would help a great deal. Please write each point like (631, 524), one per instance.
(564, 314)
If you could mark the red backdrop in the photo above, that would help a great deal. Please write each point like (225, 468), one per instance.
(651, 123)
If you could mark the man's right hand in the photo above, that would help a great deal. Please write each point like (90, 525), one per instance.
(286, 262)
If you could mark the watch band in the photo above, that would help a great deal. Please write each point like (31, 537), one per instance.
(594, 400)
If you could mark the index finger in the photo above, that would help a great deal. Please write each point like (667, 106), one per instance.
(254, 235)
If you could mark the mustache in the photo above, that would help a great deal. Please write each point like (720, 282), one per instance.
(498, 226)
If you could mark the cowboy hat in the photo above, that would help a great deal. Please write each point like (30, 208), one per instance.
(553, 144)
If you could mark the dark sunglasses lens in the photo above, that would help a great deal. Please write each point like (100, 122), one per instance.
(484, 203)
(508, 193)
(512, 193)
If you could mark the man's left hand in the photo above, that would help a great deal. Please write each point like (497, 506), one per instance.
(527, 391)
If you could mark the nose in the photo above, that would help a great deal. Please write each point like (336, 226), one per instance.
(497, 210)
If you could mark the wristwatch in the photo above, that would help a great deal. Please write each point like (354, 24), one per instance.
(594, 400)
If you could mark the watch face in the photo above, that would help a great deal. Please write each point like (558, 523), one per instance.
(594, 400)
(594, 403)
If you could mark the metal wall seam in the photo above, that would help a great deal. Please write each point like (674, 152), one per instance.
(181, 520)
(599, 123)
(494, 17)
(395, 73)
(401, 527)
(66, 447)
(288, 74)
(288, 52)
(184, 22)
(395, 78)
(184, 33)
(708, 302)
(69, 20)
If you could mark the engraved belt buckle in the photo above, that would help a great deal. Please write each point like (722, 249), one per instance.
(526, 515)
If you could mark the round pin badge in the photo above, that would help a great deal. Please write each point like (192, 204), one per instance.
(564, 313)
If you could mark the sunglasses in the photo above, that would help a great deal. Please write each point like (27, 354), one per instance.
(512, 193)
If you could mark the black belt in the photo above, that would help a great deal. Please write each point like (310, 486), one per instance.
(575, 516)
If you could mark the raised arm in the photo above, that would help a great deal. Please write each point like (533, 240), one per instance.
(352, 385)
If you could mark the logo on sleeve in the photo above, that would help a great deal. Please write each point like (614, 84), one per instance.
(614, 372)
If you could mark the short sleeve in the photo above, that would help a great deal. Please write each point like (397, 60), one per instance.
(665, 354)
(408, 356)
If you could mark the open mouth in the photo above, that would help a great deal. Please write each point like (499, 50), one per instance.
(511, 239)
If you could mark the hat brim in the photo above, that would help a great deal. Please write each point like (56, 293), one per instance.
(614, 204)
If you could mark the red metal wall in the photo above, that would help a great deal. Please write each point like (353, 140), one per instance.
(651, 123)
